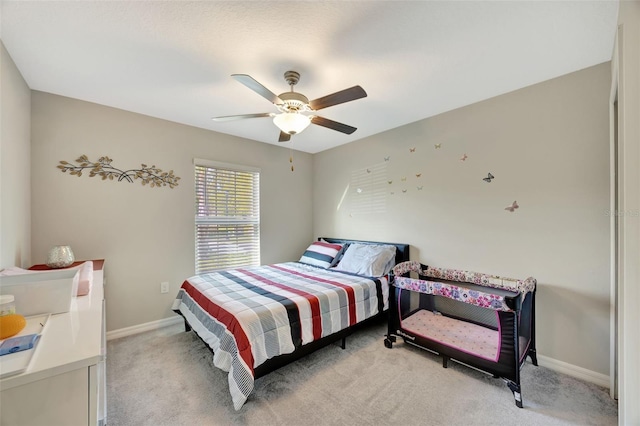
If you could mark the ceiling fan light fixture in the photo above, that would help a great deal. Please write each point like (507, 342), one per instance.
(291, 122)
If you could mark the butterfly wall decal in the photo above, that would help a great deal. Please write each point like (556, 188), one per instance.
(359, 190)
(418, 175)
(464, 157)
(387, 158)
(404, 190)
(512, 207)
(438, 145)
(412, 150)
(389, 182)
(368, 170)
(403, 178)
(488, 178)
(420, 187)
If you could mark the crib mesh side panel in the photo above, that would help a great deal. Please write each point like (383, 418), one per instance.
(505, 366)
(466, 312)
(410, 302)
(525, 324)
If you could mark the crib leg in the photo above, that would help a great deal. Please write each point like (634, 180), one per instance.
(516, 393)
(445, 361)
(534, 358)
(187, 327)
(344, 343)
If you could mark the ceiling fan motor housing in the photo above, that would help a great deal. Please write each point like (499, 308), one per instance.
(293, 102)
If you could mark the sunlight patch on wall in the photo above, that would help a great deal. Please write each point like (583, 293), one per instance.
(367, 190)
(344, 195)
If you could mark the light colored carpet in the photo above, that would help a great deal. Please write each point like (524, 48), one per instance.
(166, 377)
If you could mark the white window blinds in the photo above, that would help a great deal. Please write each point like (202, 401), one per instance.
(227, 216)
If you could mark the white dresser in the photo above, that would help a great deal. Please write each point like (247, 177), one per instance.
(65, 383)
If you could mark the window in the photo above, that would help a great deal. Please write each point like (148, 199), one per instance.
(227, 216)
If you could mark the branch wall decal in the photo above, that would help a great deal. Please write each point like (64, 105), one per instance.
(153, 176)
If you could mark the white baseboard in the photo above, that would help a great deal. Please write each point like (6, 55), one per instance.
(574, 371)
(140, 328)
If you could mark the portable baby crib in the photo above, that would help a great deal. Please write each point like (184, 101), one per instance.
(484, 321)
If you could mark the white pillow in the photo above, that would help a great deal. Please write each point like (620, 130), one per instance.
(368, 259)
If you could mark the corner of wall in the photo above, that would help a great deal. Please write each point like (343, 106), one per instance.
(15, 165)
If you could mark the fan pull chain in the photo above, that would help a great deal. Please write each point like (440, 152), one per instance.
(291, 158)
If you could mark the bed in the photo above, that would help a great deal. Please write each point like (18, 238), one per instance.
(257, 319)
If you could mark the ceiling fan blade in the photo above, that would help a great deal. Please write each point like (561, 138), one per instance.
(333, 125)
(346, 95)
(243, 116)
(284, 137)
(258, 88)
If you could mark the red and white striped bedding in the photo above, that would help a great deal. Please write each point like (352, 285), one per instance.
(252, 314)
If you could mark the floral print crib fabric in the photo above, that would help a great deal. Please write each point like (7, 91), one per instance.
(459, 293)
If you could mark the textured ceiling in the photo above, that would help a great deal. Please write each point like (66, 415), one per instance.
(415, 59)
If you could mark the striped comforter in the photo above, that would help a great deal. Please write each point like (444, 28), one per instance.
(252, 314)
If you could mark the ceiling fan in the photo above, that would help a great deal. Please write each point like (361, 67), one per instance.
(296, 111)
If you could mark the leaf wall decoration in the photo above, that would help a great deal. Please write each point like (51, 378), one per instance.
(152, 176)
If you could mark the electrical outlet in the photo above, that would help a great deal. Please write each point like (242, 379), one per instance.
(164, 287)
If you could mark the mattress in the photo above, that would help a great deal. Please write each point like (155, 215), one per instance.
(461, 335)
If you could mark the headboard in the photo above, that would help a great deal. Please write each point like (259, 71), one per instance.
(402, 250)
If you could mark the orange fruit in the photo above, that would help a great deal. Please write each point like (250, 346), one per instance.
(10, 325)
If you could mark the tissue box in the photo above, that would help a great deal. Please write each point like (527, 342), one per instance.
(38, 293)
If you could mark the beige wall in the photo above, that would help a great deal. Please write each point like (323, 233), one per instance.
(15, 165)
(147, 234)
(547, 146)
(629, 183)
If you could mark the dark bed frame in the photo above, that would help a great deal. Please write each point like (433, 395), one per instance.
(402, 255)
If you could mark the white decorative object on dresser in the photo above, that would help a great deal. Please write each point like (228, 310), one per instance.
(65, 382)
